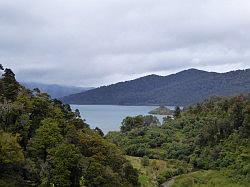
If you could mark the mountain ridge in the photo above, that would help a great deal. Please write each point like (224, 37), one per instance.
(183, 88)
(56, 90)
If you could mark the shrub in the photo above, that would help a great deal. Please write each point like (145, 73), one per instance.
(145, 161)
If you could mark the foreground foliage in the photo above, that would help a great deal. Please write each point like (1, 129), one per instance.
(209, 178)
(44, 143)
(213, 135)
(151, 173)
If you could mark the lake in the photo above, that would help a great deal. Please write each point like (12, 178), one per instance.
(109, 117)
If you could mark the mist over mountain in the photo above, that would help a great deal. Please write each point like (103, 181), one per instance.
(183, 88)
(54, 90)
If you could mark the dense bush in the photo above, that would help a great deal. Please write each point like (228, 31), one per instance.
(209, 135)
(145, 161)
(42, 142)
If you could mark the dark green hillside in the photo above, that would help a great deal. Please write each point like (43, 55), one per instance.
(183, 88)
(212, 137)
(44, 143)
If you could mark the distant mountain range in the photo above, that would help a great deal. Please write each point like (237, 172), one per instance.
(183, 88)
(54, 90)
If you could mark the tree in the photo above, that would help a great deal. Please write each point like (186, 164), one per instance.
(237, 112)
(46, 137)
(99, 131)
(150, 120)
(10, 85)
(77, 113)
(37, 90)
(10, 151)
(131, 174)
(127, 124)
(145, 161)
(166, 119)
(177, 112)
(65, 165)
(245, 129)
(130, 123)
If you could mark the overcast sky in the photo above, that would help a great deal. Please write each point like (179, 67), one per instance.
(98, 42)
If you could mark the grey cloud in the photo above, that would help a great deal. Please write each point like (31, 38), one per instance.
(95, 42)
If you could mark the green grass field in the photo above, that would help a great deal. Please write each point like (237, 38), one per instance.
(210, 178)
(148, 174)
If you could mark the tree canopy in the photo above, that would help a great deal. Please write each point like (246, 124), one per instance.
(43, 142)
(212, 135)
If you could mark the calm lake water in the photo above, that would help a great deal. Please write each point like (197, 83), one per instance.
(109, 117)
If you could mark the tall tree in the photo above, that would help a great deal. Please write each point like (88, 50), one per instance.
(177, 112)
(65, 161)
(10, 151)
(46, 137)
(77, 113)
(10, 85)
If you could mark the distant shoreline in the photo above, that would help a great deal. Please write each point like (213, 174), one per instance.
(116, 105)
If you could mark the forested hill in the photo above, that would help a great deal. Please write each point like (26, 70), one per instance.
(183, 88)
(44, 143)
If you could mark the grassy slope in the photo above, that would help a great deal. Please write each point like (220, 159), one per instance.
(149, 173)
(208, 178)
